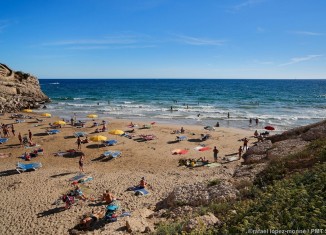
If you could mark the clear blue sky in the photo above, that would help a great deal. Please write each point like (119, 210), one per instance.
(164, 38)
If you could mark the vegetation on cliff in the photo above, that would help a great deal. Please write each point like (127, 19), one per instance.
(288, 195)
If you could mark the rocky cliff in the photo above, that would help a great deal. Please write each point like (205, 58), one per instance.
(19, 90)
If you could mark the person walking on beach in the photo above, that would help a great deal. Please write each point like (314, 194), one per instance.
(30, 135)
(81, 162)
(20, 139)
(78, 143)
(215, 151)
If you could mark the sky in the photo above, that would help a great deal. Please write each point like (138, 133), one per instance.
(276, 39)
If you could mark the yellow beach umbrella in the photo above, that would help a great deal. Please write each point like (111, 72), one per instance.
(28, 110)
(116, 132)
(92, 116)
(46, 114)
(59, 123)
(98, 138)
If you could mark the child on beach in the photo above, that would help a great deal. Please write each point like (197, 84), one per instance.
(81, 162)
(215, 151)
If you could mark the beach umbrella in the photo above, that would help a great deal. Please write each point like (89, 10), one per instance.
(92, 116)
(27, 110)
(98, 138)
(46, 114)
(116, 132)
(59, 123)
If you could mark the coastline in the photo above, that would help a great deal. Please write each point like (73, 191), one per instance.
(28, 197)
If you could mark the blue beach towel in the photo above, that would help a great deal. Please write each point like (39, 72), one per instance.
(52, 132)
(113, 154)
(3, 140)
(110, 142)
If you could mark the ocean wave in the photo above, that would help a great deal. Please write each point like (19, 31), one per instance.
(54, 83)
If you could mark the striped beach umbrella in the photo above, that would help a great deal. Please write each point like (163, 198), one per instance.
(92, 116)
(46, 114)
(27, 110)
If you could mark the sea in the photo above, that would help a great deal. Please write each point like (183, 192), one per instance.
(283, 104)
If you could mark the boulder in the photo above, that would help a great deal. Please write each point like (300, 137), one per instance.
(286, 147)
(200, 194)
(258, 152)
(201, 223)
(19, 90)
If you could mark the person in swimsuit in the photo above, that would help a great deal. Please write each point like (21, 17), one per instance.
(81, 163)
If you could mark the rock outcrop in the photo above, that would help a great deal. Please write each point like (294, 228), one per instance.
(200, 194)
(19, 90)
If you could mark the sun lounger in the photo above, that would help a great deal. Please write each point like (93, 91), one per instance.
(181, 138)
(52, 132)
(80, 134)
(112, 154)
(110, 142)
(21, 167)
(3, 140)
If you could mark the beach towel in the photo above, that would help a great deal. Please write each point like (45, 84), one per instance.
(138, 190)
(204, 149)
(3, 140)
(231, 159)
(52, 132)
(80, 179)
(113, 154)
(77, 177)
(181, 138)
(110, 142)
(29, 147)
(179, 151)
(213, 164)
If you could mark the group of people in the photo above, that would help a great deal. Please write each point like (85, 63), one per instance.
(6, 130)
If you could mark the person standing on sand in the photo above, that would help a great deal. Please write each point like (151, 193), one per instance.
(81, 162)
(240, 152)
(13, 130)
(215, 151)
(245, 143)
(30, 135)
(78, 143)
(20, 139)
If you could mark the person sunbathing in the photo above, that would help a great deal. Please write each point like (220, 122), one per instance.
(108, 197)
(89, 221)
(85, 141)
(27, 156)
(142, 183)
(69, 200)
(79, 194)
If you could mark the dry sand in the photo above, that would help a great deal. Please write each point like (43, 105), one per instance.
(26, 205)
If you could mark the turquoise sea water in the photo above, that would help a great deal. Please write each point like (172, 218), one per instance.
(281, 103)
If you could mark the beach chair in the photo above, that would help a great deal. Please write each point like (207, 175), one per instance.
(53, 132)
(112, 154)
(181, 138)
(21, 167)
(39, 120)
(19, 120)
(3, 140)
(110, 142)
(80, 134)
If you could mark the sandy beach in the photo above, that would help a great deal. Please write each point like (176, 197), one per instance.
(26, 205)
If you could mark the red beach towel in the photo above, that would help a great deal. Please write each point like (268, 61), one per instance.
(204, 149)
